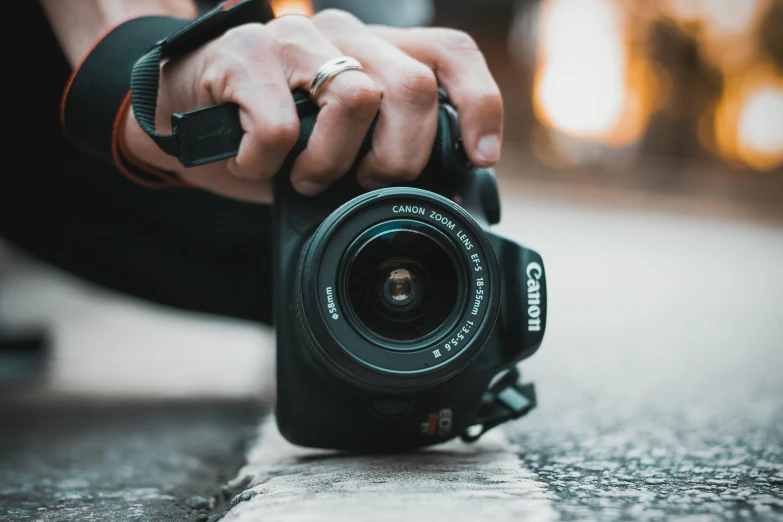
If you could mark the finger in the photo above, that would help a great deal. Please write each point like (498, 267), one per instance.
(214, 177)
(258, 85)
(348, 103)
(463, 72)
(408, 117)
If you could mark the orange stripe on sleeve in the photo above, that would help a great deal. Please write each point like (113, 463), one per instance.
(76, 70)
(121, 155)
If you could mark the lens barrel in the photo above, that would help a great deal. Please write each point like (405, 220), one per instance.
(398, 290)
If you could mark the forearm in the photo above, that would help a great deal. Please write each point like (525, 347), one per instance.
(79, 23)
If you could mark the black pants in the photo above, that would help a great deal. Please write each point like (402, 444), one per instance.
(184, 248)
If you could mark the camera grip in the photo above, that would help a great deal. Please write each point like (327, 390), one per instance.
(523, 309)
(215, 133)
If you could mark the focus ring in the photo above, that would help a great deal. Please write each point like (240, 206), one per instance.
(311, 342)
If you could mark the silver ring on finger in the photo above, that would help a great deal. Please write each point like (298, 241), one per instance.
(329, 70)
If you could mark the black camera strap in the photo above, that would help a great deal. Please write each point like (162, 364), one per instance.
(203, 135)
(506, 400)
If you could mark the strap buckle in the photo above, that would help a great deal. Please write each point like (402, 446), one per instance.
(508, 399)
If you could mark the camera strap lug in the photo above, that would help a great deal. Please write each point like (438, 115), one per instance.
(506, 400)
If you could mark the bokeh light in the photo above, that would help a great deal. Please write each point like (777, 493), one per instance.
(575, 92)
(588, 83)
(748, 120)
(596, 84)
(292, 7)
(731, 17)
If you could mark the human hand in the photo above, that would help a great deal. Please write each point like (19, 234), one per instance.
(257, 66)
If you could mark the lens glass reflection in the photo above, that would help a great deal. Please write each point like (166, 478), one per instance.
(402, 284)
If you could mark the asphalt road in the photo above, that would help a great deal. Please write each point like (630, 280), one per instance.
(115, 462)
(659, 385)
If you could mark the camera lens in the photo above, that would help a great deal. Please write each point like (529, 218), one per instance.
(399, 287)
(397, 290)
(402, 281)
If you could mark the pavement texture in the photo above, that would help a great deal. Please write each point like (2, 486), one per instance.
(659, 386)
(120, 462)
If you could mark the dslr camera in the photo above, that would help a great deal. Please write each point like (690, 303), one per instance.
(399, 315)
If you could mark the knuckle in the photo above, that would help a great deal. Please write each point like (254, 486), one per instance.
(246, 34)
(326, 169)
(230, 56)
(292, 47)
(418, 86)
(490, 100)
(293, 35)
(216, 79)
(337, 17)
(360, 97)
(244, 167)
(397, 169)
(287, 24)
(280, 133)
(456, 41)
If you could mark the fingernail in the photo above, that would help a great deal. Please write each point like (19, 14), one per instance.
(489, 148)
(308, 188)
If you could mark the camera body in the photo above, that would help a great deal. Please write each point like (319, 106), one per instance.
(358, 373)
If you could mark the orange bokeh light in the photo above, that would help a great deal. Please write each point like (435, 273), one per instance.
(723, 28)
(289, 7)
(588, 83)
(748, 119)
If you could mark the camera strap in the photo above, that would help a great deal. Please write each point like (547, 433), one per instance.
(203, 135)
(506, 400)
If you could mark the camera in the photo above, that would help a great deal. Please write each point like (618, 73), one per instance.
(399, 315)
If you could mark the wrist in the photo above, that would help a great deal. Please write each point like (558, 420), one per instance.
(139, 147)
(78, 25)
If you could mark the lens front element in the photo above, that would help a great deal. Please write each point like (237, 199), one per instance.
(400, 288)
(402, 280)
